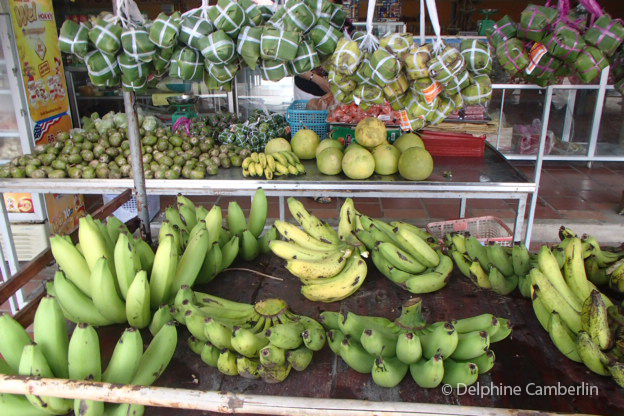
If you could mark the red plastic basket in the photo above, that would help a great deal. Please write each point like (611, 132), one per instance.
(441, 143)
(486, 229)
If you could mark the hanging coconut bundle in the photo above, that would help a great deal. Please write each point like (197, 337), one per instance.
(248, 45)
(138, 85)
(534, 20)
(279, 45)
(502, 31)
(218, 48)
(364, 73)
(447, 66)
(222, 72)
(347, 56)
(477, 56)
(417, 61)
(605, 34)
(325, 37)
(187, 64)
(274, 70)
(74, 38)
(165, 29)
(590, 63)
(427, 89)
(132, 69)
(442, 110)
(101, 67)
(253, 12)
(395, 90)
(386, 67)
(162, 60)
(478, 92)
(512, 56)
(136, 44)
(564, 43)
(193, 28)
(342, 97)
(106, 36)
(543, 66)
(397, 43)
(368, 95)
(306, 60)
(298, 17)
(457, 83)
(337, 16)
(266, 12)
(358, 36)
(229, 16)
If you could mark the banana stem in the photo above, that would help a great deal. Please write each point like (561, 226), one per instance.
(242, 269)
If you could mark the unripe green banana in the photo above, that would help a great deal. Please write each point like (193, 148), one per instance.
(157, 356)
(274, 373)
(5, 368)
(196, 345)
(500, 259)
(503, 332)
(400, 258)
(334, 340)
(249, 248)
(485, 362)
(84, 363)
(354, 325)
(183, 200)
(187, 216)
(388, 371)
(226, 363)
(383, 265)
(76, 304)
(524, 286)
(272, 355)
(33, 363)
(173, 216)
(218, 334)
(286, 336)
(591, 355)
(138, 311)
(594, 321)
(71, 262)
(379, 343)
(50, 333)
(459, 374)
(146, 254)
(484, 322)
(210, 354)
(94, 245)
(442, 339)
(163, 272)
(110, 244)
(520, 259)
(299, 358)
(553, 300)
(314, 338)
(127, 263)
(434, 280)
(160, 318)
(125, 359)
(191, 261)
(291, 232)
(104, 292)
(195, 322)
(408, 348)
(617, 372)
(258, 213)
(17, 404)
(356, 357)
(13, 340)
(247, 343)
(542, 314)
(471, 345)
(201, 212)
(211, 265)
(247, 367)
(417, 247)
(214, 223)
(477, 252)
(428, 373)
(562, 337)
(265, 240)
(500, 283)
(236, 218)
(229, 252)
(462, 264)
(330, 319)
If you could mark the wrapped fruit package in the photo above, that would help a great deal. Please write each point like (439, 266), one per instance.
(74, 38)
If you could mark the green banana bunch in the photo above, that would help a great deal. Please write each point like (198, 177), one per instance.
(125, 359)
(84, 363)
(138, 313)
(312, 224)
(50, 334)
(13, 340)
(272, 165)
(104, 292)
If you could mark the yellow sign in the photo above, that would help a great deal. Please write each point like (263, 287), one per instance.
(40, 57)
(64, 212)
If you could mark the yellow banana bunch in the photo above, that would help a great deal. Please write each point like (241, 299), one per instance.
(271, 165)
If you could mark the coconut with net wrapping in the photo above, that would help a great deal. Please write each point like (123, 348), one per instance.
(347, 56)
(228, 16)
(279, 45)
(106, 36)
(417, 61)
(477, 56)
(165, 29)
(74, 38)
(248, 45)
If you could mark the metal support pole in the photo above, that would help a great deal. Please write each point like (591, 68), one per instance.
(539, 161)
(600, 99)
(137, 165)
(500, 119)
(462, 208)
(422, 22)
(282, 208)
(569, 116)
(17, 301)
(518, 227)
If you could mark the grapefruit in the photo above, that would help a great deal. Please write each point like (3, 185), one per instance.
(304, 144)
(408, 140)
(352, 146)
(386, 159)
(277, 144)
(358, 163)
(329, 161)
(371, 132)
(326, 143)
(415, 164)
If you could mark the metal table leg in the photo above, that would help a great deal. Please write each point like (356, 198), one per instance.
(282, 208)
(521, 210)
(17, 301)
(462, 208)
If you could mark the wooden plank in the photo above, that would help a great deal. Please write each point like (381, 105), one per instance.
(32, 269)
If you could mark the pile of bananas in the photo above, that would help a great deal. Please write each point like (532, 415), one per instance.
(453, 352)
(501, 269)
(405, 254)
(268, 165)
(54, 354)
(329, 268)
(262, 341)
(583, 323)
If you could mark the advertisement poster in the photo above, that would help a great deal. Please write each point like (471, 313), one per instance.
(40, 57)
(64, 212)
(45, 131)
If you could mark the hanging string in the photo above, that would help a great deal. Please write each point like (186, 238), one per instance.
(370, 43)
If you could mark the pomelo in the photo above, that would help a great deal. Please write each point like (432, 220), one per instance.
(304, 144)
(358, 163)
(415, 164)
(277, 144)
(371, 132)
(352, 146)
(327, 143)
(329, 161)
(408, 140)
(386, 159)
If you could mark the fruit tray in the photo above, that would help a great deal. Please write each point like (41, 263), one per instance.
(486, 229)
